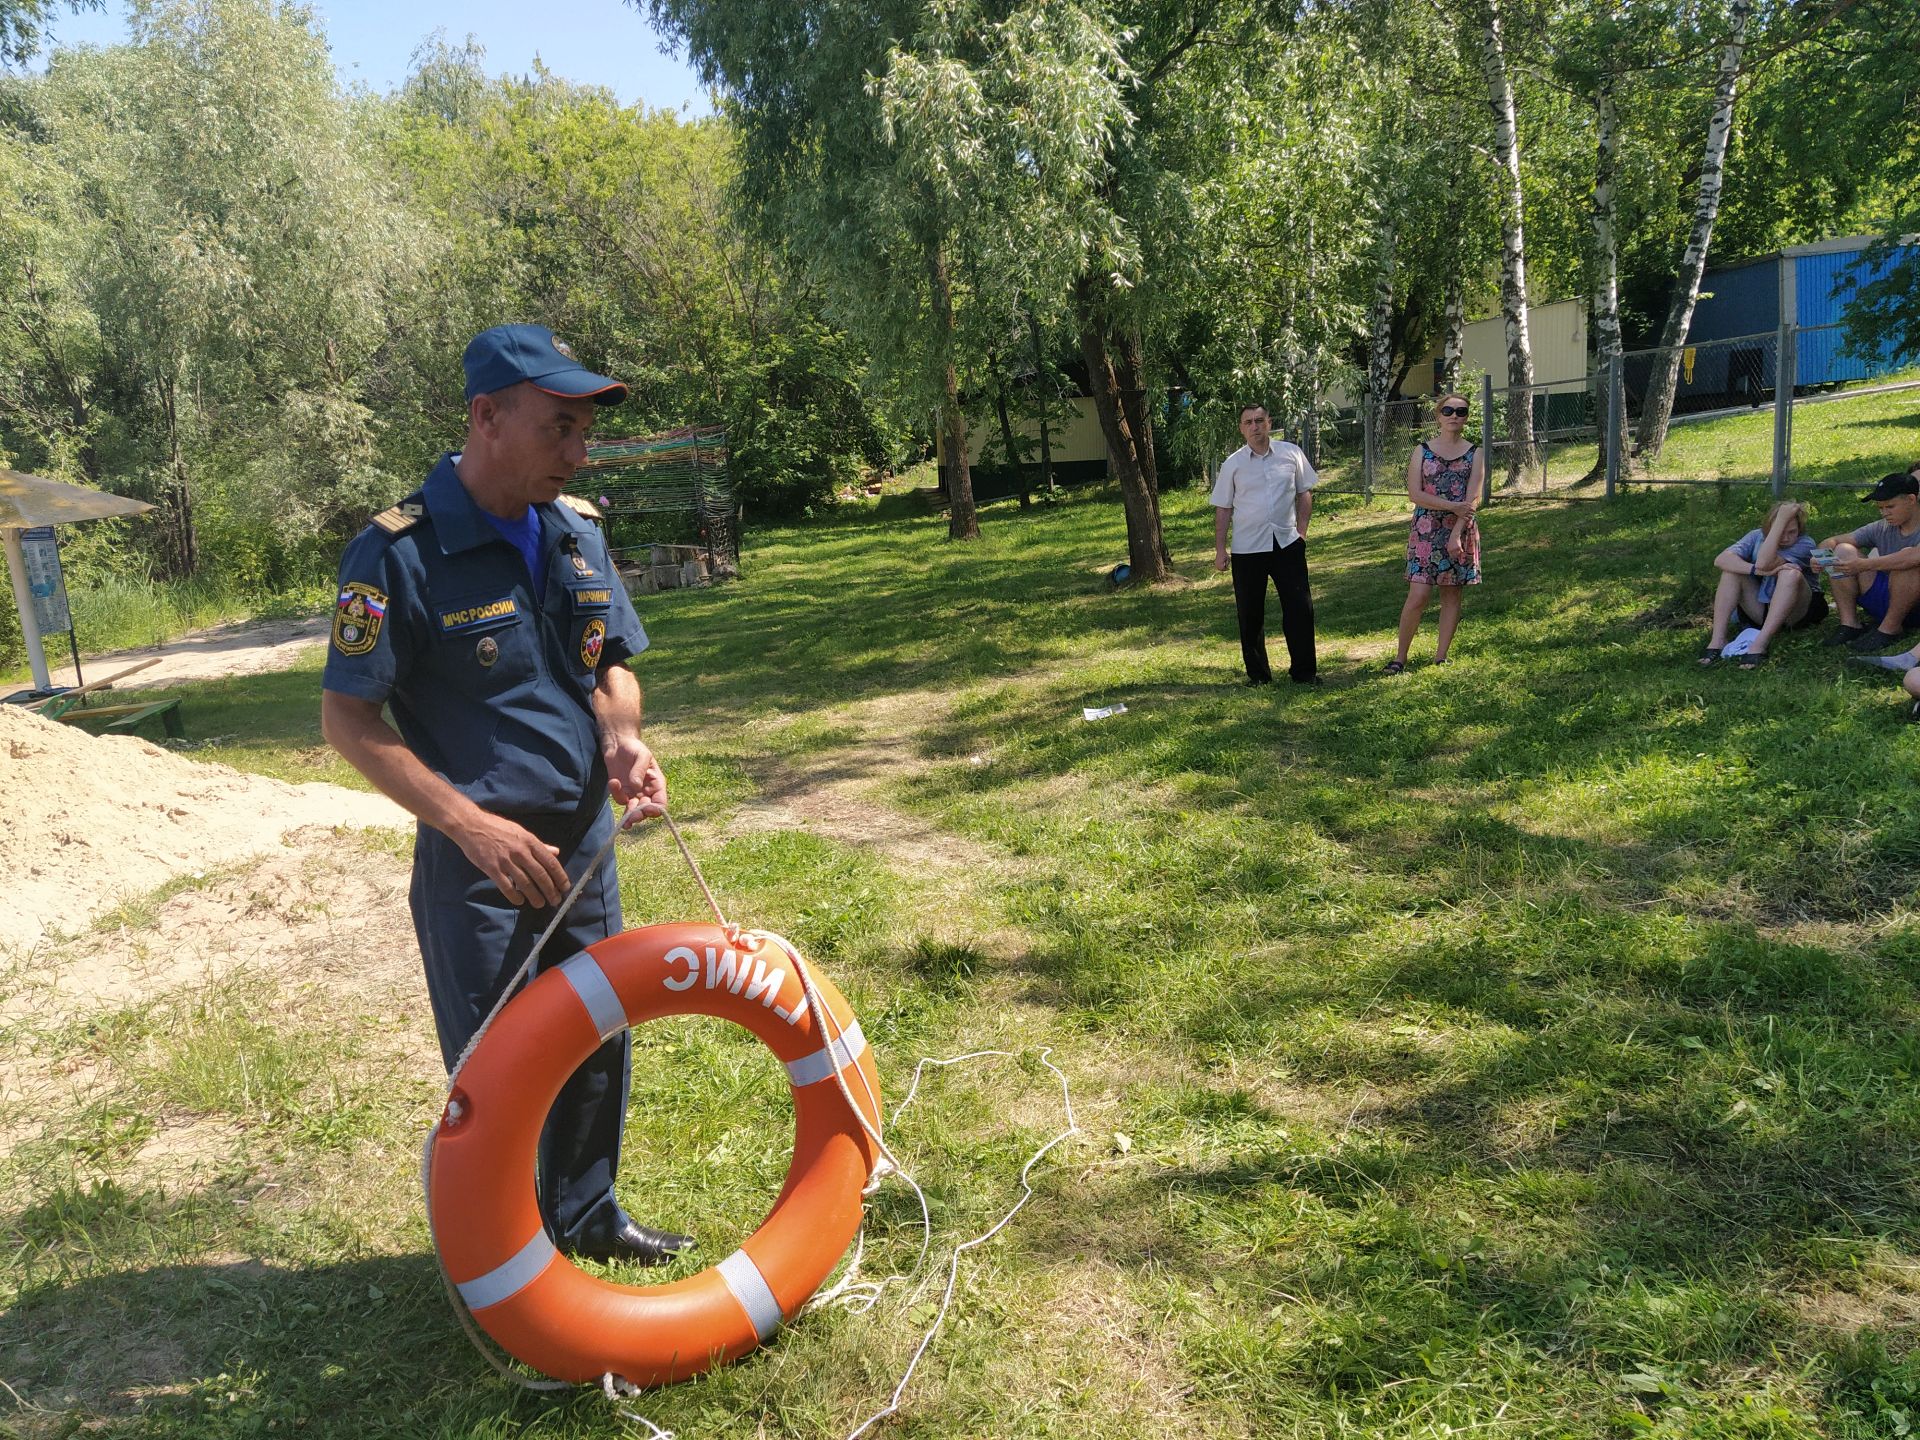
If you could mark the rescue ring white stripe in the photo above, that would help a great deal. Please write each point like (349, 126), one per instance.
(809, 1069)
(503, 1282)
(596, 992)
(750, 1288)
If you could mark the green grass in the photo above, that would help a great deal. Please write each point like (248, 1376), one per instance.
(1843, 438)
(1528, 1046)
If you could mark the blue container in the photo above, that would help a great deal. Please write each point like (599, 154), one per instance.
(1812, 285)
(1824, 285)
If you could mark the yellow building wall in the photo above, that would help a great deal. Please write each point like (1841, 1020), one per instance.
(1077, 441)
(1558, 332)
(1559, 335)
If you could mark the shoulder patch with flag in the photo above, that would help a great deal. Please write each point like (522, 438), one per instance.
(357, 618)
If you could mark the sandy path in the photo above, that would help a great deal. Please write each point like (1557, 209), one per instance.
(249, 647)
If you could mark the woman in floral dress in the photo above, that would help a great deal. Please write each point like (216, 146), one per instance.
(1444, 479)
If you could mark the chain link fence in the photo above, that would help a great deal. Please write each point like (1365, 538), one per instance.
(1645, 419)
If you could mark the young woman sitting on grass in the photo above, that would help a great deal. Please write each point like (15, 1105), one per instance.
(1766, 576)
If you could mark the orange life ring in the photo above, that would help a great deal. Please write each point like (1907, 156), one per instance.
(541, 1308)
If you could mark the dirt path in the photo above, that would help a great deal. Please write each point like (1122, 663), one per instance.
(249, 647)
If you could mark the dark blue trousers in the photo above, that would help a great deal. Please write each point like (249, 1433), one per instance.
(472, 940)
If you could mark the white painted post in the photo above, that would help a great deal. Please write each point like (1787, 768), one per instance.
(23, 602)
(1486, 436)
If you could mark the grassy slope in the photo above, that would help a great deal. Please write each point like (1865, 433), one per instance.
(1527, 1045)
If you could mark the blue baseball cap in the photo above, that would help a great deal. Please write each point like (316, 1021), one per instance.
(509, 354)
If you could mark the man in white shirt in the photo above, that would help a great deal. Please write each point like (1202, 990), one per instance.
(1265, 496)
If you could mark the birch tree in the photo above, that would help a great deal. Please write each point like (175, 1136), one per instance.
(1606, 260)
(1497, 75)
(1658, 406)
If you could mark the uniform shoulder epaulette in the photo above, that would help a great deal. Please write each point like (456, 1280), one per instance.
(398, 519)
(581, 507)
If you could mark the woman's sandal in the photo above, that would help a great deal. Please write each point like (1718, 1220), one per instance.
(1754, 659)
(1709, 654)
(1394, 667)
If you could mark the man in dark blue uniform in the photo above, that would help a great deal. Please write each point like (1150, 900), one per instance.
(485, 611)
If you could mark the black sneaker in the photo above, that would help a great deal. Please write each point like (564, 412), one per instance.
(1913, 713)
(1874, 642)
(1845, 635)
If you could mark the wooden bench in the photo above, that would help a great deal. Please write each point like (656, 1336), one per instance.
(124, 718)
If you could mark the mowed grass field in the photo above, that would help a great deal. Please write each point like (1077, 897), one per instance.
(1525, 1047)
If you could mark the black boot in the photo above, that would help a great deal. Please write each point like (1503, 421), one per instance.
(612, 1234)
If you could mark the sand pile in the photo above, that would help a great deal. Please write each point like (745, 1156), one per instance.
(86, 822)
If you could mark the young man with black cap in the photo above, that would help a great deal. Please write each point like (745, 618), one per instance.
(1876, 569)
(485, 611)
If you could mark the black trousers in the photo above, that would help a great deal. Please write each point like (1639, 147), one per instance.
(1286, 567)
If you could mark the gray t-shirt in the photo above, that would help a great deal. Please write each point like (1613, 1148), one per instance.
(1880, 536)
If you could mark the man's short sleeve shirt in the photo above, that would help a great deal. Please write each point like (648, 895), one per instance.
(1261, 490)
(490, 685)
(1884, 538)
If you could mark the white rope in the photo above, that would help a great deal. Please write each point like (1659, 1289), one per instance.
(953, 1265)
(616, 1390)
(856, 1295)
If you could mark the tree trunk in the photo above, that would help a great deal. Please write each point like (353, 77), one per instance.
(1380, 334)
(1133, 398)
(1453, 349)
(1014, 457)
(177, 499)
(962, 522)
(1606, 261)
(1513, 249)
(1144, 545)
(1040, 382)
(1658, 409)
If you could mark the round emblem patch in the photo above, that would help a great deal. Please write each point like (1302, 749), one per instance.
(487, 650)
(591, 640)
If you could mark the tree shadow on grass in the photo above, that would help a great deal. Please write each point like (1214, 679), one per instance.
(232, 1347)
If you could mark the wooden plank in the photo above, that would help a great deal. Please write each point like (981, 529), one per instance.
(54, 705)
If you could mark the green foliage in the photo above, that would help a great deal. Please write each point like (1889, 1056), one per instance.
(612, 226)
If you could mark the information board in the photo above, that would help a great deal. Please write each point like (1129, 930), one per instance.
(42, 554)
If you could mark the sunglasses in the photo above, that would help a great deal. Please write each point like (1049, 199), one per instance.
(1460, 410)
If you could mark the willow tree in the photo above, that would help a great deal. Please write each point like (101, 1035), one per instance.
(909, 154)
(27, 25)
(238, 250)
(1266, 306)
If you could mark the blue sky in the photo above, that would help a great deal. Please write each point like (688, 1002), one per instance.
(596, 42)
